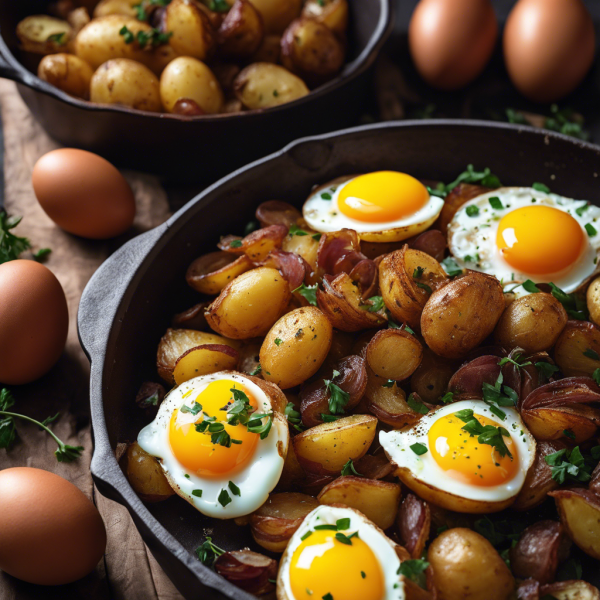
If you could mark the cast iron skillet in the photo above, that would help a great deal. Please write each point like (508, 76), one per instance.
(196, 148)
(128, 303)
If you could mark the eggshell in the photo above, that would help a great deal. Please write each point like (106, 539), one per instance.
(451, 41)
(548, 47)
(34, 321)
(83, 193)
(50, 533)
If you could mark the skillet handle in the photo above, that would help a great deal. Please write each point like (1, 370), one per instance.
(9, 68)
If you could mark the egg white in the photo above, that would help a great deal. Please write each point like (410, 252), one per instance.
(325, 215)
(475, 237)
(368, 532)
(397, 443)
(255, 480)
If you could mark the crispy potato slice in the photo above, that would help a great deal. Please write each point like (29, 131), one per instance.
(248, 570)
(401, 294)
(176, 342)
(577, 349)
(377, 500)
(579, 511)
(210, 273)
(341, 303)
(145, 475)
(326, 448)
(461, 314)
(42, 34)
(274, 523)
(333, 13)
(241, 32)
(414, 523)
(204, 360)
(394, 354)
(570, 590)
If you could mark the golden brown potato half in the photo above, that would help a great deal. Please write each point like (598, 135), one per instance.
(145, 475)
(333, 13)
(248, 570)
(400, 289)
(312, 51)
(128, 83)
(461, 314)
(430, 380)
(269, 50)
(192, 32)
(295, 347)
(210, 273)
(302, 245)
(549, 423)
(277, 14)
(593, 300)
(341, 302)
(577, 350)
(377, 500)
(176, 342)
(570, 590)
(263, 84)
(413, 524)
(466, 565)
(394, 354)
(276, 396)
(116, 7)
(326, 448)
(579, 511)
(204, 360)
(42, 34)
(250, 304)
(274, 523)
(532, 322)
(68, 73)
(241, 32)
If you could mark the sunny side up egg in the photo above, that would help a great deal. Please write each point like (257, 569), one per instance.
(338, 553)
(518, 234)
(381, 206)
(227, 477)
(457, 464)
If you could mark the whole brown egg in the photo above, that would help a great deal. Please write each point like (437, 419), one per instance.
(548, 47)
(34, 321)
(50, 533)
(451, 41)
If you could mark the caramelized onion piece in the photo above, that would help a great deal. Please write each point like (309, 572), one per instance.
(414, 522)
(564, 392)
(192, 318)
(366, 273)
(291, 266)
(275, 212)
(374, 466)
(333, 247)
(431, 242)
(528, 590)
(469, 379)
(248, 570)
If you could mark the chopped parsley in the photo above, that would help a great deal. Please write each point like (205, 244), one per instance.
(240, 410)
(499, 395)
(591, 354)
(424, 286)
(472, 211)
(257, 370)
(316, 236)
(208, 552)
(58, 38)
(540, 187)
(224, 498)
(418, 272)
(591, 230)
(447, 397)
(11, 246)
(309, 292)
(529, 286)
(345, 539)
(581, 209)
(194, 409)
(546, 369)
(496, 203)
(235, 244)
(376, 303)
(348, 469)
(293, 417)
(414, 569)
(569, 465)
(484, 178)
(596, 376)
(576, 307)
(486, 434)
(197, 493)
(416, 405)
(568, 433)
(295, 230)
(257, 426)
(388, 384)
(41, 254)
(418, 448)
(338, 398)
(235, 490)
(451, 267)
(218, 6)
(278, 341)
(326, 196)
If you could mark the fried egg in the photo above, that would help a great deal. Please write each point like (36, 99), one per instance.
(381, 206)
(338, 551)
(518, 234)
(447, 464)
(223, 469)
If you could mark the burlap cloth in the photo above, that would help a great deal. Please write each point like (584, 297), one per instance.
(128, 571)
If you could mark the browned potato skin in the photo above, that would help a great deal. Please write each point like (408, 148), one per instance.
(241, 32)
(295, 347)
(576, 338)
(311, 50)
(293, 475)
(277, 14)
(33, 33)
(333, 13)
(593, 300)
(461, 314)
(68, 73)
(269, 50)
(211, 272)
(388, 404)
(532, 322)
(467, 567)
(193, 33)
(145, 475)
(377, 500)
(274, 523)
(431, 378)
(394, 354)
(115, 7)
(548, 423)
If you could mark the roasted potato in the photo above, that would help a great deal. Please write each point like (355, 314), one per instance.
(461, 314)
(68, 73)
(269, 49)
(248, 570)
(333, 13)
(400, 290)
(257, 245)
(311, 50)
(394, 354)
(262, 85)
(377, 500)
(145, 475)
(250, 304)
(192, 32)
(188, 81)
(414, 524)
(296, 347)
(241, 32)
(204, 360)
(116, 7)
(127, 83)
(293, 475)
(303, 245)
(42, 34)
(277, 14)
(326, 448)
(569, 590)
(466, 565)
(274, 523)
(593, 300)
(210, 273)
(532, 322)
(577, 350)
(430, 380)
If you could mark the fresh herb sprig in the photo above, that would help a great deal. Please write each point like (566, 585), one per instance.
(569, 465)
(338, 398)
(484, 178)
(486, 434)
(209, 552)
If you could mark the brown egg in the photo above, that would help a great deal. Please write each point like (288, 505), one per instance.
(83, 193)
(34, 321)
(451, 41)
(548, 47)
(50, 533)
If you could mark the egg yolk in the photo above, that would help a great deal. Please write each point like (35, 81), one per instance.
(323, 565)
(539, 239)
(382, 197)
(463, 458)
(195, 450)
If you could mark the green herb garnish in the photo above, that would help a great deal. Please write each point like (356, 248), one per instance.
(208, 552)
(309, 292)
(418, 448)
(348, 469)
